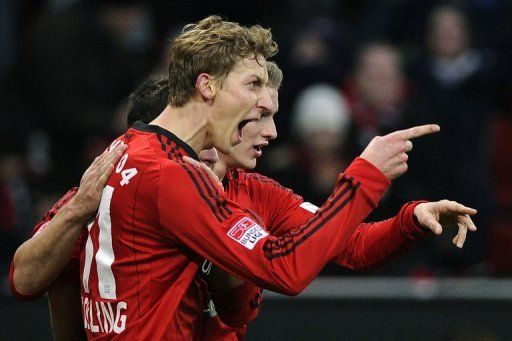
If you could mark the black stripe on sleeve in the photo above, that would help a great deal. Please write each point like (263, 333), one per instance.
(218, 195)
(201, 193)
(290, 242)
(345, 186)
(213, 193)
(317, 227)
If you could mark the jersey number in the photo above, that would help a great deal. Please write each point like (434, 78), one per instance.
(105, 255)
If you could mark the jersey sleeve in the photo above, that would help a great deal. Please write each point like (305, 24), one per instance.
(279, 207)
(375, 244)
(372, 245)
(71, 271)
(197, 214)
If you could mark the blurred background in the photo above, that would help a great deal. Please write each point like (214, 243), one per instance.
(352, 70)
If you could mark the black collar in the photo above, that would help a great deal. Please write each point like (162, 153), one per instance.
(141, 126)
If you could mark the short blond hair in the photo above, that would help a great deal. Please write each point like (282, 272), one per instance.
(275, 75)
(213, 46)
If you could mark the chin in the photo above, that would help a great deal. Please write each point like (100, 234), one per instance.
(249, 164)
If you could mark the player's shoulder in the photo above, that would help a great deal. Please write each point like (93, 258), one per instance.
(176, 169)
(253, 178)
(57, 206)
(266, 186)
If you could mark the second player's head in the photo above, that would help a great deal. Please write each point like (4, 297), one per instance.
(221, 65)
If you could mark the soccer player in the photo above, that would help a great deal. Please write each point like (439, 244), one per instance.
(224, 222)
(371, 246)
(159, 217)
(149, 100)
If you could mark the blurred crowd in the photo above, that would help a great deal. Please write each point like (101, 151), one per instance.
(352, 70)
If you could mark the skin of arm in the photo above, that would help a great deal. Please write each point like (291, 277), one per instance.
(39, 261)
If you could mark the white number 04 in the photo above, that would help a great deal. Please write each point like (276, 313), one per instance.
(126, 174)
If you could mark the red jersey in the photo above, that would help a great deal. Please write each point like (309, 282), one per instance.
(371, 245)
(159, 216)
(162, 142)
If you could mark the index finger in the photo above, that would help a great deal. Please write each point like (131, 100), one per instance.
(417, 131)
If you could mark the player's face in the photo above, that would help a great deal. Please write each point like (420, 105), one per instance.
(241, 97)
(256, 136)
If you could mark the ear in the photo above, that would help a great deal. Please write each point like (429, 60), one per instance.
(206, 87)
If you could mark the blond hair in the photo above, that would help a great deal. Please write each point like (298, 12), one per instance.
(275, 75)
(213, 46)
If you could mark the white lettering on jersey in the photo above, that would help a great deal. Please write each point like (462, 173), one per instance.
(105, 255)
(309, 207)
(104, 317)
(126, 174)
(247, 232)
(88, 259)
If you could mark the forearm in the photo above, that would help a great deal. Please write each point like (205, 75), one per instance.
(40, 260)
(375, 244)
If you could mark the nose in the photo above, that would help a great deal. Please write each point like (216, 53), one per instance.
(265, 101)
(269, 129)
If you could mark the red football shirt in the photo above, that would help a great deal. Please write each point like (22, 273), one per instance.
(158, 215)
(371, 245)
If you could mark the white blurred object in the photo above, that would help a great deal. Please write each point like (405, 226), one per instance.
(320, 107)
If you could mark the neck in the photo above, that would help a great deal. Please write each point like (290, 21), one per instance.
(188, 123)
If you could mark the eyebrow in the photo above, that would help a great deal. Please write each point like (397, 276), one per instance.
(259, 79)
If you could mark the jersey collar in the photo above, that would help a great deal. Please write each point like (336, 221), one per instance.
(141, 126)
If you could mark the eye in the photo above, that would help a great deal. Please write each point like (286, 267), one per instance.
(255, 84)
(266, 114)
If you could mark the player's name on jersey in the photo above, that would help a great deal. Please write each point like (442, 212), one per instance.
(104, 317)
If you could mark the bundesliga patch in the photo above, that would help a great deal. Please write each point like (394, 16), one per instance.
(247, 232)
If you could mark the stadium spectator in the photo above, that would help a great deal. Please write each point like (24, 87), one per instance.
(454, 85)
(375, 93)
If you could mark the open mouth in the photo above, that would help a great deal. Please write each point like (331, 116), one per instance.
(258, 148)
(241, 126)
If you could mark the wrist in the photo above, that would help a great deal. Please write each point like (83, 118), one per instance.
(415, 215)
(75, 213)
(410, 224)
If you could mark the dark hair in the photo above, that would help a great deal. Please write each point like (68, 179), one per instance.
(148, 100)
